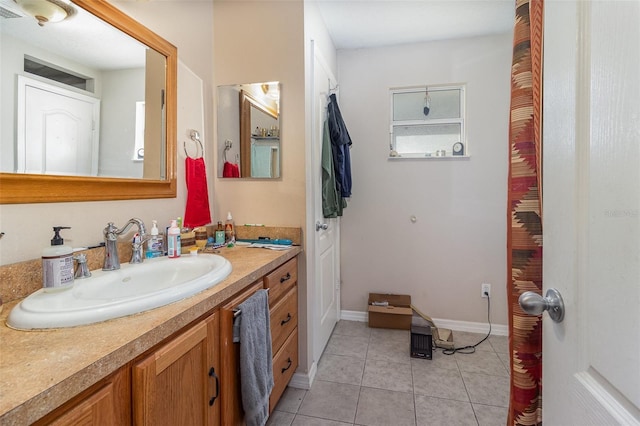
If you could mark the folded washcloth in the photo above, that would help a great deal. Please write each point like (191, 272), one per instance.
(256, 369)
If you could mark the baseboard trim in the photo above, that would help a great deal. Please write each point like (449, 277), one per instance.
(471, 327)
(304, 380)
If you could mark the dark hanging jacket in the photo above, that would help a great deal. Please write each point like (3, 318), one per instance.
(340, 143)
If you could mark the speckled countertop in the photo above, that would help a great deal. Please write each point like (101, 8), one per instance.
(40, 370)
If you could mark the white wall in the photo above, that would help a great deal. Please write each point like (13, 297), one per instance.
(27, 227)
(121, 90)
(459, 238)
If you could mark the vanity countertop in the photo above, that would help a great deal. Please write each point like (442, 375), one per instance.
(40, 370)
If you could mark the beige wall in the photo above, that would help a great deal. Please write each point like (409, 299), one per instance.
(27, 227)
(459, 238)
(257, 42)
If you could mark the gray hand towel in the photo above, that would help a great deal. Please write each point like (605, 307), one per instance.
(256, 369)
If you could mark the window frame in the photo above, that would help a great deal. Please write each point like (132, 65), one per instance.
(461, 121)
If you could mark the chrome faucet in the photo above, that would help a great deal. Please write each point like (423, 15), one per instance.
(111, 233)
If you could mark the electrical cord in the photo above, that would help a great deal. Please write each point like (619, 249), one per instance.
(469, 349)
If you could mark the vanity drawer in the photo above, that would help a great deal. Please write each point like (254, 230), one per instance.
(285, 363)
(281, 280)
(284, 318)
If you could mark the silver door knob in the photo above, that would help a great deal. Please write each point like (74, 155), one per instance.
(534, 304)
(323, 226)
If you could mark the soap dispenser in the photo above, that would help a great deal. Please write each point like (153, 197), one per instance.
(57, 263)
(155, 244)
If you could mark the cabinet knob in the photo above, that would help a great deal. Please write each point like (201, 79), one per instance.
(286, 320)
(285, 278)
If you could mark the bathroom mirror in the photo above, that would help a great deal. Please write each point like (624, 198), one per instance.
(97, 93)
(249, 142)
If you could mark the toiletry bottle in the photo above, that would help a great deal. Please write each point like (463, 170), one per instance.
(57, 263)
(173, 240)
(229, 230)
(219, 237)
(201, 236)
(187, 240)
(155, 246)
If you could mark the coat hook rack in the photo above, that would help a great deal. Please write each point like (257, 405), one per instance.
(332, 89)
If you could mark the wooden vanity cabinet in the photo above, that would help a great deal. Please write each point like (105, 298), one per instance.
(283, 312)
(283, 308)
(178, 383)
(193, 378)
(231, 398)
(105, 403)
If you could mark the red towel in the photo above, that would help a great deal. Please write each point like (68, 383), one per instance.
(230, 170)
(197, 211)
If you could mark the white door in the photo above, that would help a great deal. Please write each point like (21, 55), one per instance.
(591, 361)
(57, 130)
(326, 255)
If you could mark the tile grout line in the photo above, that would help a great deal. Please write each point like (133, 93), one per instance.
(412, 365)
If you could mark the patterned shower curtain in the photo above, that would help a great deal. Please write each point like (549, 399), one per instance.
(524, 225)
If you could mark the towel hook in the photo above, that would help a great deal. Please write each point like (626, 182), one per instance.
(195, 136)
(332, 89)
(227, 146)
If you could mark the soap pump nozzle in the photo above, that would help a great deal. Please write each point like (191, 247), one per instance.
(57, 239)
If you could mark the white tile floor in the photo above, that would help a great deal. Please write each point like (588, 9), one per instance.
(366, 377)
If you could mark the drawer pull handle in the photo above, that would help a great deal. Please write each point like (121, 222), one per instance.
(284, 321)
(212, 373)
(289, 362)
(285, 278)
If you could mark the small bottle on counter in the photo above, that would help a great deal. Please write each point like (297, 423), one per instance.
(57, 263)
(219, 236)
(229, 230)
(155, 245)
(174, 249)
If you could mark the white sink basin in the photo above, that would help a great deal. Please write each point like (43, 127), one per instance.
(112, 294)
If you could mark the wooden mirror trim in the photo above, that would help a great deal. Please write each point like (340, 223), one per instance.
(31, 188)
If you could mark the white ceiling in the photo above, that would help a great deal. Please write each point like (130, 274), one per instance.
(355, 24)
(352, 24)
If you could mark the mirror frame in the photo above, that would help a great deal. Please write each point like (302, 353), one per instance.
(31, 188)
(246, 103)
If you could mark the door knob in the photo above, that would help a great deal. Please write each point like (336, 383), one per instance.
(534, 304)
(323, 226)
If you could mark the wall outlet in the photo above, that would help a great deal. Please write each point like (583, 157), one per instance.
(485, 290)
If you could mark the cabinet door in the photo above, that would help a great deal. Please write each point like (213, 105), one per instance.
(178, 384)
(232, 413)
(108, 405)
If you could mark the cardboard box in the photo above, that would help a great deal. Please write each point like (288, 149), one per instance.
(396, 315)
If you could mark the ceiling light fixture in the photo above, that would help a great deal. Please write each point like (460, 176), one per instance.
(46, 11)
